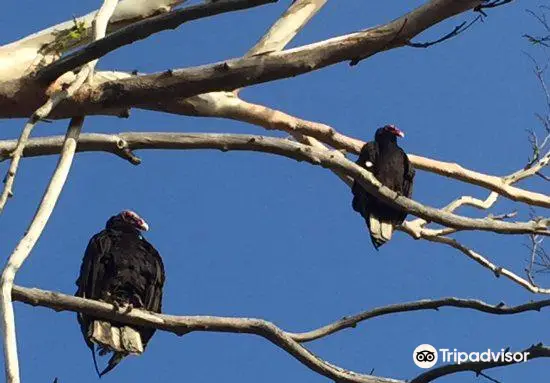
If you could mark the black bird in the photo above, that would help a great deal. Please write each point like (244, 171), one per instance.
(120, 267)
(391, 166)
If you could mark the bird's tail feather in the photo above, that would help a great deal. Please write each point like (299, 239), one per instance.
(115, 359)
(95, 360)
(122, 341)
(380, 231)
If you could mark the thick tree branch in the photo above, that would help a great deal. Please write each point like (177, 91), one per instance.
(184, 324)
(25, 245)
(245, 71)
(139, 31)
(239, 72)
(21, 57)
(275, 39)
(290, 342)
(290, 149)
(181, 325)
(272, 119)
(100, 23)
(41, 113)
(235, 108)
(278, 119)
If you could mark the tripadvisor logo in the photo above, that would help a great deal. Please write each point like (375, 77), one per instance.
(426, 356)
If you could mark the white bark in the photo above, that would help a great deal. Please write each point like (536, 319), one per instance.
(23, 249)
(18, 57)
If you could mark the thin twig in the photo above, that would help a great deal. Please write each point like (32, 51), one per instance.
(455, 32)
(425, 304)
(490, 4)
(498, 271)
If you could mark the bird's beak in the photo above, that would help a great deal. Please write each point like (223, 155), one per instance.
(144, 226)
(398, 132)
(394, 130)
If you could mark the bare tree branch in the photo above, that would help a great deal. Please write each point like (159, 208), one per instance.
(168, 91)
(455, 32)
(22, 57)
(425, 304)
(299, 152)
(41, 113)
(290, 342)
(538, 257)
(234, 73)
(275, 39)
(121, 146)
(139, 31)
(181, 325)
(497, 270)
(240, 72)
(25, 245)
(49, 200)
(58, 301)
(272, 119)
(287, 26)
(490, 4)
(100, 23)
(418, 224)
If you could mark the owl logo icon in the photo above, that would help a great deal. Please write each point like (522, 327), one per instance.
(425, 356)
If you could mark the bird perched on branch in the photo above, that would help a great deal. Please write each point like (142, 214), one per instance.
(120, 267)
(390, 165)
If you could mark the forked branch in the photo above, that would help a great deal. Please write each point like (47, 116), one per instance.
(141, 30)
(290, 342)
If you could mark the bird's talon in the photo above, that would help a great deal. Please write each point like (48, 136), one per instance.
(128, 308)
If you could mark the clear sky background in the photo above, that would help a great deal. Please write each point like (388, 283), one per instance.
(253, 235)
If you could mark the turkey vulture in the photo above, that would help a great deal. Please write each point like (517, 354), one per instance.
(120, 267)
(391, 166)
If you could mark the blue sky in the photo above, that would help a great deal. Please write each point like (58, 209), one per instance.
(247, 234)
